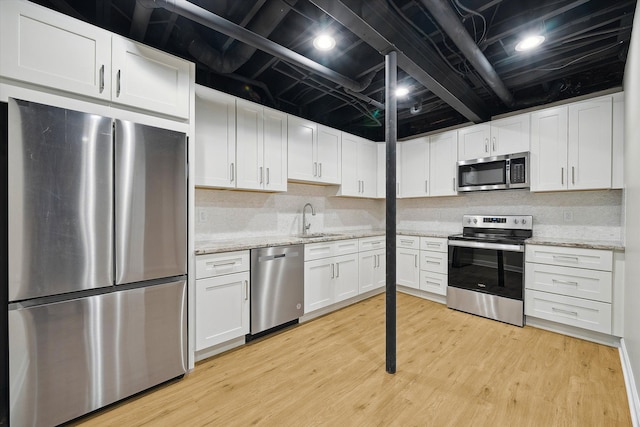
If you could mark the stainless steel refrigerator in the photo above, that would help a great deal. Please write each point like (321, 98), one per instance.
(96, 264)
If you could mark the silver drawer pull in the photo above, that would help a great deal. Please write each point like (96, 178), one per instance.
(406, 242)
(433, 283)
(437, 245)
(566, 258)
(416, 260)
(433, 262)
(564, 282)
(213, 264)
(561, 311)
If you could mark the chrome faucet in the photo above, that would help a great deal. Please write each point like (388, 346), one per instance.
(305, 226)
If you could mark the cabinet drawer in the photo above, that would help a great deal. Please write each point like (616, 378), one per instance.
(328, 249)
(437, 244)
(594, 259)
(576, 282)
(223, 263)
(587, 314)
(409, 242)
(371, 243)
(435, 262)
(435, 283)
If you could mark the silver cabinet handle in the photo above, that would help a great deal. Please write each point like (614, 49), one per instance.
(566, 258)
(333, 272)
(570, 313)
(261, 174)
(454, 184)
(486, 145)
(362, 187)
(267, 176)
(337, 269)
(375, 261)
(359, 186)
(233, 172)
(573, 175)
(398, 189)
(246, 290)
(426, 186)
(101, 78)
(319, 170)
(315, 168)
(494, 144)
(562, 176)
(416, 260)
(565, 282)
(118, 84)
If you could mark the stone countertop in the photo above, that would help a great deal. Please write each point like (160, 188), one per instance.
(216, 246)
(576, 243)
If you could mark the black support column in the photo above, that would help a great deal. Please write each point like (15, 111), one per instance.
(391, 135)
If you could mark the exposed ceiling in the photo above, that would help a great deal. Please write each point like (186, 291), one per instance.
(584, 52)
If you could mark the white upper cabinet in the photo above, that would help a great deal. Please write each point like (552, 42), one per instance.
(414, 174)
(617, 160)
(359, 167)
(261, 147)
(502, 136)
(215, 139)
(473, 142)
(150, 79)
(50, 49)
(442, 163)
(571, 146)
(428, 166)
(314, 152)
(43, 47)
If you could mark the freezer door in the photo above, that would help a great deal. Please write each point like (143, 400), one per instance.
(69, 358)
(150, 202)
(60, 173)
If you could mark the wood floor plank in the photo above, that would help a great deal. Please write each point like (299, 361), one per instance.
(453, 369)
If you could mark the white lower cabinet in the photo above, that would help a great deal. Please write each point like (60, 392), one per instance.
(222, 307)
(433, 265)
(570, 286)
(372, 264)
(407, 267)
(330, 273)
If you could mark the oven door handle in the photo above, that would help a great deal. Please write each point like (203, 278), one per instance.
(484, 245)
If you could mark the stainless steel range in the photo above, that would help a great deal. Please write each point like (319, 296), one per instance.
(486, 267)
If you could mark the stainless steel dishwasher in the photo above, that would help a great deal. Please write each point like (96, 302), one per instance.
(277, 287)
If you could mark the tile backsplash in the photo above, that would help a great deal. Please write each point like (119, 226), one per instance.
(224, 214)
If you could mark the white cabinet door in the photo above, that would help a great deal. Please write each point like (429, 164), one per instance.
(50, 49)
(329, 155)
(371, 267)
(302, 142)
(414, 174)
(589, 156)
(222, 309)
(249, 145)
(382, 171)
(275, 150)
(215, 139)
(510, 135)
(408, 270)
(473, 142)
(367, 167)
(351, 185)
(548, 160)
(319, 284)
(380, 275)
(148, 78)
(346, 277)
(443, 154)
(617, 161)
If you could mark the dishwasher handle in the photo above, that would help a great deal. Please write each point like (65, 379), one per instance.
(264, 258)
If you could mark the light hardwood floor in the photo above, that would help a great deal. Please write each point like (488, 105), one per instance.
(453, 369)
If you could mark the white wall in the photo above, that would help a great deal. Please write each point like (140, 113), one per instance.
(591, 215)
(222, 214)
(632, 201)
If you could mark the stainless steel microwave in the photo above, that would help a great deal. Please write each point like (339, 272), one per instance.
(494, 173)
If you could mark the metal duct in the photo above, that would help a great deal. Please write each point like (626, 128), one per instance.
(210, 20)
(140, 20)
(449, 22)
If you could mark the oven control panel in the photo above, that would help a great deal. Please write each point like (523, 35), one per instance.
(519, 222)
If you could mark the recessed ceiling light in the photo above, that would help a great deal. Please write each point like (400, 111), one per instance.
(402, 91)
(529, 42)
(324, 42)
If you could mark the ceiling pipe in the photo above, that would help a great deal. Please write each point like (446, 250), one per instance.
(210, 20)
(449, 22)
(140, 20)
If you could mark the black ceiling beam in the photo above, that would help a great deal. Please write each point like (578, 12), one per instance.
(375, 23)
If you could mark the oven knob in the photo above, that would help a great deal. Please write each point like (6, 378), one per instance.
(524, 221)
(516, 221)
(475, 220)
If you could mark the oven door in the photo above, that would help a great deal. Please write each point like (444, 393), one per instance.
(490, 268)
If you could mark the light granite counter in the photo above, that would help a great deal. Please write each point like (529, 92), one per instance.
(216, 246)
(439, 234)
(576, 243)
